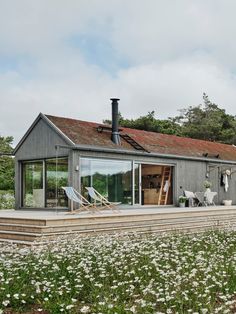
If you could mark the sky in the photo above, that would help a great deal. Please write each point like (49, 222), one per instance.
(69, 57)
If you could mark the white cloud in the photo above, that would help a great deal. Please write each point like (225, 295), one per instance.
(175, 51)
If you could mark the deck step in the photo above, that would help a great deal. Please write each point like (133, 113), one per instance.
(24, 231)
(74, 219)
(30, 237)
(116, 223)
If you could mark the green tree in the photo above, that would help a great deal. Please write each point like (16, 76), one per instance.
(150, 123)
(208, 122)
(6, 164)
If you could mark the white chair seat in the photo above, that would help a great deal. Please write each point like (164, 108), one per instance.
(209, 197)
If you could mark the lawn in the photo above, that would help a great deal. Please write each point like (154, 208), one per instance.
(122, 274)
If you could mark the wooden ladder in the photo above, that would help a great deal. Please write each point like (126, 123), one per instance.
(166, 177)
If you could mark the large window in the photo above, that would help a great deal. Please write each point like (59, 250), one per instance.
(43, 181)
(111, 178)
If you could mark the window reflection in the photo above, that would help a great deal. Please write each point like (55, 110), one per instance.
(33, 192)
(111, 178)
(56, 178)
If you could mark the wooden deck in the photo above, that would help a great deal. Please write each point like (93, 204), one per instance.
(27, 227)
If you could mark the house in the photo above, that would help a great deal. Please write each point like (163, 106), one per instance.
(131, 166)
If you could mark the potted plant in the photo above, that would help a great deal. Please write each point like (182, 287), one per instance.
(182, 201)
(207, 185)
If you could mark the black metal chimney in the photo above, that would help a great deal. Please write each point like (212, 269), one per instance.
(115, 136)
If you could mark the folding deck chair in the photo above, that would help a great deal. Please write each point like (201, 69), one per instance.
(192, 199)
(75, 196)
(101, 200)
(209, 196)
(200, 196)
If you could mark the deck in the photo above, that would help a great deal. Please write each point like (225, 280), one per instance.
(27, 227)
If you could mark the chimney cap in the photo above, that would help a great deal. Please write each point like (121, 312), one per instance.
(114, 99)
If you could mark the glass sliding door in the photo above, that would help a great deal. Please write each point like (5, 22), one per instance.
(111, 178)
(56, 178)
(33, 184)
(42, 183)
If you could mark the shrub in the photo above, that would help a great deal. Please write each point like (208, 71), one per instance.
(7, 200)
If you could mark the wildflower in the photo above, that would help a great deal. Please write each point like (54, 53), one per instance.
(6, 302)
(85, 309)
(69, 307)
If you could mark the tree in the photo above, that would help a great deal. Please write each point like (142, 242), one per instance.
(6, 164)
(150, 123)
(208, 122)
(205, 121)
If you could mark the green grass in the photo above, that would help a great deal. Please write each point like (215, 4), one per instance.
(129, 274)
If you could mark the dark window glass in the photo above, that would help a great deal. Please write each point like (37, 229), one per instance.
(111, 178)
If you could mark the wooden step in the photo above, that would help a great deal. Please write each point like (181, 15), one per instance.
(23, 236)
(107, 229)
(25, 221)
(147, 230)
(21, 229)
(98, 224)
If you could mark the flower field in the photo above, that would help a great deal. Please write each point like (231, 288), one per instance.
(122, 274)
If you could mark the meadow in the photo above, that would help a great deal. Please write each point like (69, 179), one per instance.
(174, 273)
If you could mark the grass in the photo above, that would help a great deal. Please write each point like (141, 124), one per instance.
(129, 274)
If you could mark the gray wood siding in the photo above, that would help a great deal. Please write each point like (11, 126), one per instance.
(191, 175)
(40, 143)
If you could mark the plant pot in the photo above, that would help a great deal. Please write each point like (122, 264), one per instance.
(182, 205)
(227, 202)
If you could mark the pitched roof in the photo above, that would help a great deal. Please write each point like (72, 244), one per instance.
(85, 133)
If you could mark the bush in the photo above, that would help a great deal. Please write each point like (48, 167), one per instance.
(7, 199)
